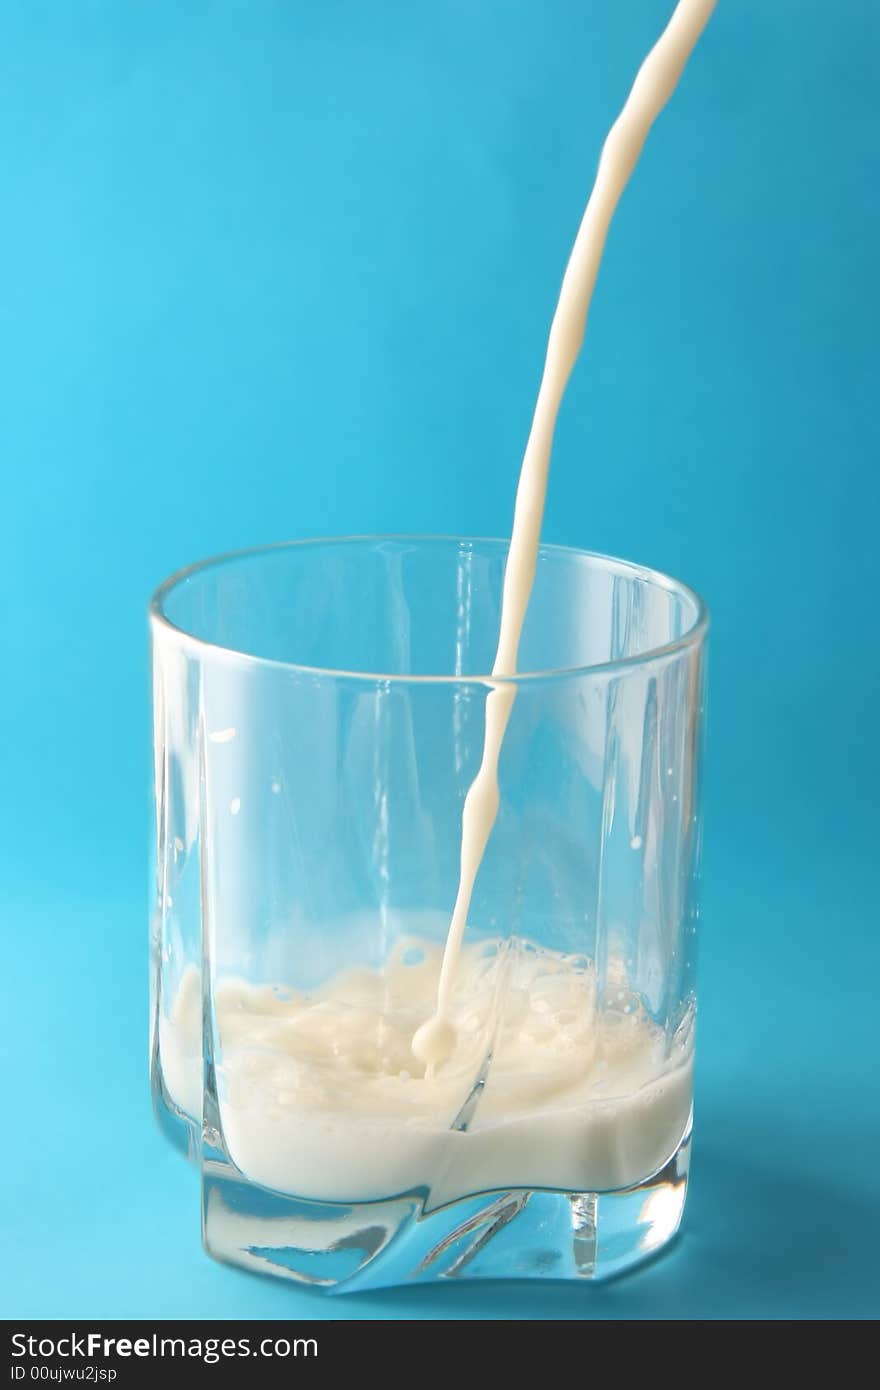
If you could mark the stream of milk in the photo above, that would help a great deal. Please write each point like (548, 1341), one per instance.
(655, 82)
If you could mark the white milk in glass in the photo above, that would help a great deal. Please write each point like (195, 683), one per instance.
(377, 1082)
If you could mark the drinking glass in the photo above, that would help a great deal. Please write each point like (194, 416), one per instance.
(319, 717)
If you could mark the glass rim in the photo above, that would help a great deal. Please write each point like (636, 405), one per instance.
(692, 638)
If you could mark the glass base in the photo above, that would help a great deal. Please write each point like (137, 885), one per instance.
(515, 1234)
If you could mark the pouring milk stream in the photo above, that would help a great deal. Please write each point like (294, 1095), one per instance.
(655, 82)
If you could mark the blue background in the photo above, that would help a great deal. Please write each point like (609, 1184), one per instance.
(280, 269)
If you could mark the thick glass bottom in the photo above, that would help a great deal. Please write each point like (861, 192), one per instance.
(515, 1234)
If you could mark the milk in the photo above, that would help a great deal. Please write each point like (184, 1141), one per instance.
(482, 1065)
(654, 84)
(320, 1095)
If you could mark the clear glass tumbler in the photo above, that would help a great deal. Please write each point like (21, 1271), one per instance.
(319, 717)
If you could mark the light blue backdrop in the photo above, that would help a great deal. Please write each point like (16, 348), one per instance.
(277, 269)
